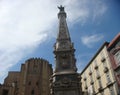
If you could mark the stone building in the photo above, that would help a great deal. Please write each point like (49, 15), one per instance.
(33, 79)
(65, 79)
(9, 86)
(98, 76)
(114, 53)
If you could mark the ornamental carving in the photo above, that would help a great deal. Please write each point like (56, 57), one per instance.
(65, 82)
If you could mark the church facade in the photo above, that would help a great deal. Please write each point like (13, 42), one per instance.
(33, 79)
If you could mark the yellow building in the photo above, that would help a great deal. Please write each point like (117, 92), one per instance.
(98, 77)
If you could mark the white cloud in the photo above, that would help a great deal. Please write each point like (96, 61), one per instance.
(89, 41)
(24, 24)
(102, 9)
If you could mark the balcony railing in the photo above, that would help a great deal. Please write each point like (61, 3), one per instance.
(100, 89)
(103, 59)
(118, 79)
(86, 87)
(91, 82)
(105, 69)
(96, 66)
(90, 73)
(84, 78)
(98, 76)
(108, 84)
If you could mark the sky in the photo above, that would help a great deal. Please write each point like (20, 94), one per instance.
(28, 28)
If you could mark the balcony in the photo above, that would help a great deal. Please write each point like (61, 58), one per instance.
(98, 76)
(90, 73)
(84, 78)
(105, 69)
(117, 66)
(91, 82)
(103, 59)
(118, 79)
(96, 66)
(86, 87)
(109, 84)
(100, 89)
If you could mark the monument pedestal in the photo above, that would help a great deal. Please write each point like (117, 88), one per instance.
(66, 84)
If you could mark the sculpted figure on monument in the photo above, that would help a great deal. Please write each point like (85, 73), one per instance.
(61, 8)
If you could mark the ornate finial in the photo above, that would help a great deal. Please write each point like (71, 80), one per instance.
(61, 8)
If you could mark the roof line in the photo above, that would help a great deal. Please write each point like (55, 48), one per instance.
(104, 44)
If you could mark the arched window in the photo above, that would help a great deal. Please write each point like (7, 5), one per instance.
(32, 92)
(117, 57)
(37, 83)
(29, 83)
(5, 92)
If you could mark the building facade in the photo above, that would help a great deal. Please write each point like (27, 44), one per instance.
(114, 53)
(98, 76)
(65, 79)
(33, 79)
(9, 86)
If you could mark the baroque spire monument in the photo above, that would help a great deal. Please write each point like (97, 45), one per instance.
(65, 79)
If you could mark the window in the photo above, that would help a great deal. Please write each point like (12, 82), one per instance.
(93, 89)
(104, 64)
(99, 82)
(117, 57)
(100, 89)
(102, 93)
(54, 79)
(90, 71)
(106, 69)
(84, 77)
(97, 74)
(91, 80)
(108, 77)
(102, 55)
(35, 65)
(32, 92)
(118, 44)
(5, 92)
(111, 90)
(37, 83)
(90, 90)
(86, 85)
(29, 83)
(85, 81)
(95, 63)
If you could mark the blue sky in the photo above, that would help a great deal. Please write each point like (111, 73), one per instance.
(28, 28)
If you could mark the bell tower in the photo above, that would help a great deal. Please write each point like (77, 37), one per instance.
(65, 79)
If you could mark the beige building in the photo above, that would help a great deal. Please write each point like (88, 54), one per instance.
(98, 77)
